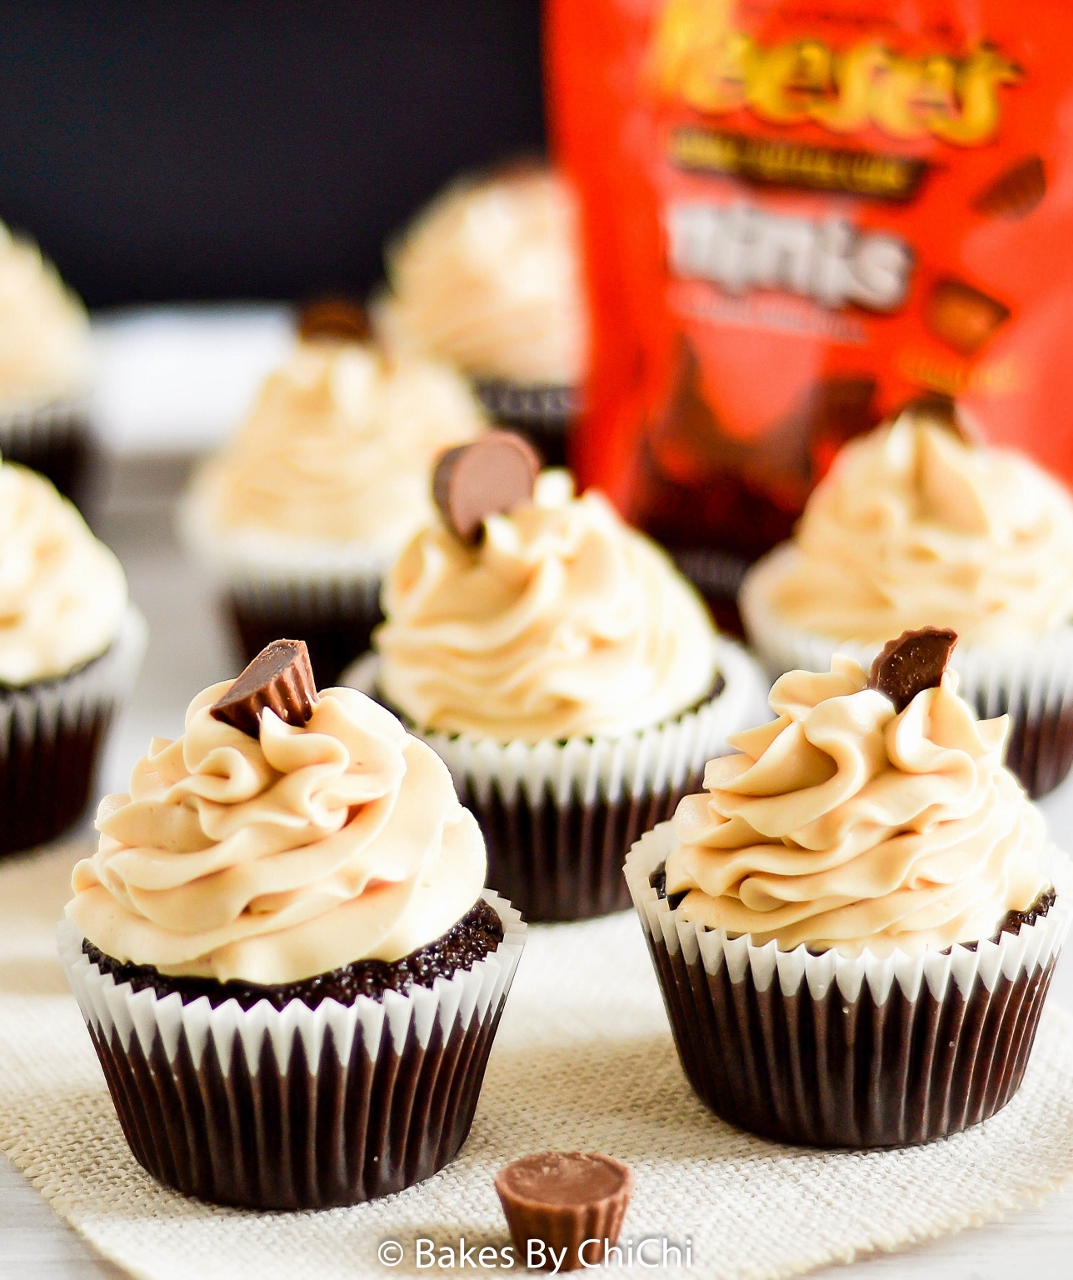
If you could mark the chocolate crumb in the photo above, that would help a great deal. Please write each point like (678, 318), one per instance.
(492, 476)
(280, 678)
(912, 663)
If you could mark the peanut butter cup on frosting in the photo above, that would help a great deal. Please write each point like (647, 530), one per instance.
(566, 672)
(289, 907)
(855, 922)
(921, 523)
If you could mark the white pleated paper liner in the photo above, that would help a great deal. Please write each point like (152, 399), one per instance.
(558, 817)
(296, 1107)
(51, 735)
(326, 593)
(53, 438)
(1032, 682)
(864, 1051)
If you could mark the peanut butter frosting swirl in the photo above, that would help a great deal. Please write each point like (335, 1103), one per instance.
(561, 622)
(274, 859)
(63, 594)
(842, 824)
(337, 450)
(44, 330)
(915, 527)
(489, 278)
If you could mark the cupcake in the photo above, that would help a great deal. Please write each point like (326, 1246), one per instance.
(489, 278)
(288, 966)
(855, 923)
(45, 364)
(323, 484)
(70, 646)
(564, 670)
(918, 524)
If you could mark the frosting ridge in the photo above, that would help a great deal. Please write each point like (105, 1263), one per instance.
(274, 859)
(63, 594)
(843, 824)
(489, 278)
(561, 622)
(912, 527)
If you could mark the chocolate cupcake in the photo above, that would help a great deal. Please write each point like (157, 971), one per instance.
(856, 922)
(564, 670)
(489, 278)
(45, 368)
(300, 514)
(918, 523)
(70, 648)
(282, 949)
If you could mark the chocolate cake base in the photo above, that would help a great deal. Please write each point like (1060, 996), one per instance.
(59, 448)
(46, 770)
(542, 413)
(564, 862)
(1040, 746)
(475, 936)
(835, 1073)
(369, 1120)
(336, 629)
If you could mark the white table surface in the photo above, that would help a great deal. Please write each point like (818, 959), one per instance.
(188, 650)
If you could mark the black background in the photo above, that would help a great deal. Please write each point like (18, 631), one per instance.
(202, 149)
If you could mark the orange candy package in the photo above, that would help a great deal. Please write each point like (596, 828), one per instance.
(798, 215)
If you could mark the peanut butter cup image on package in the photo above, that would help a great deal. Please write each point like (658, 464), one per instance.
(287, 961)
(921, 523)
(855, 923)
(562, 667)
(70, 647)
(298, 516)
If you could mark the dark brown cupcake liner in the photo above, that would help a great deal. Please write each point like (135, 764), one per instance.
(1032, 683)
(297, 1108)
(51, 734)
(55, 440)
(835, 1052)
(335, 618)
(543, 413)
(559, 817)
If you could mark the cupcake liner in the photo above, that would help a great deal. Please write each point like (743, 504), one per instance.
(558, 817)
(51, 733)
(839, 1051)
(274, 587)
(1032, 682)
(542, 412)
(53, 439)
(296, 1108)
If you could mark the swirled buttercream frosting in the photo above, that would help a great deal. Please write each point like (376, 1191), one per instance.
(44, 330)
(842, 824)
(913, 527)
(63, 594)
(562, 621)
(337, 450)
(489, 278)
(276, 858)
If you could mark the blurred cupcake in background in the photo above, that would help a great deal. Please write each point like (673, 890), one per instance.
(489, 277)
(562, 667)
(919, 523)
(45, 368)
(322, 485)
(70, 648)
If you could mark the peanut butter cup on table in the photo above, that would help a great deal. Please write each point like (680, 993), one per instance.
(566, 672)
(287, 962)
(854, 925)
(921, 523)
(298, 516)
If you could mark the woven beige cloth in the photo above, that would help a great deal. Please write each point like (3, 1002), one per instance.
(583, 1060)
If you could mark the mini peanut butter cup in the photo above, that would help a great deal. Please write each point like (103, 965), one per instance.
(1016, 192)
(912, 663)
(564, 1208)
(492, 476)
(962, 316)
(944, 411)
(333, 320)
(280, 678)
